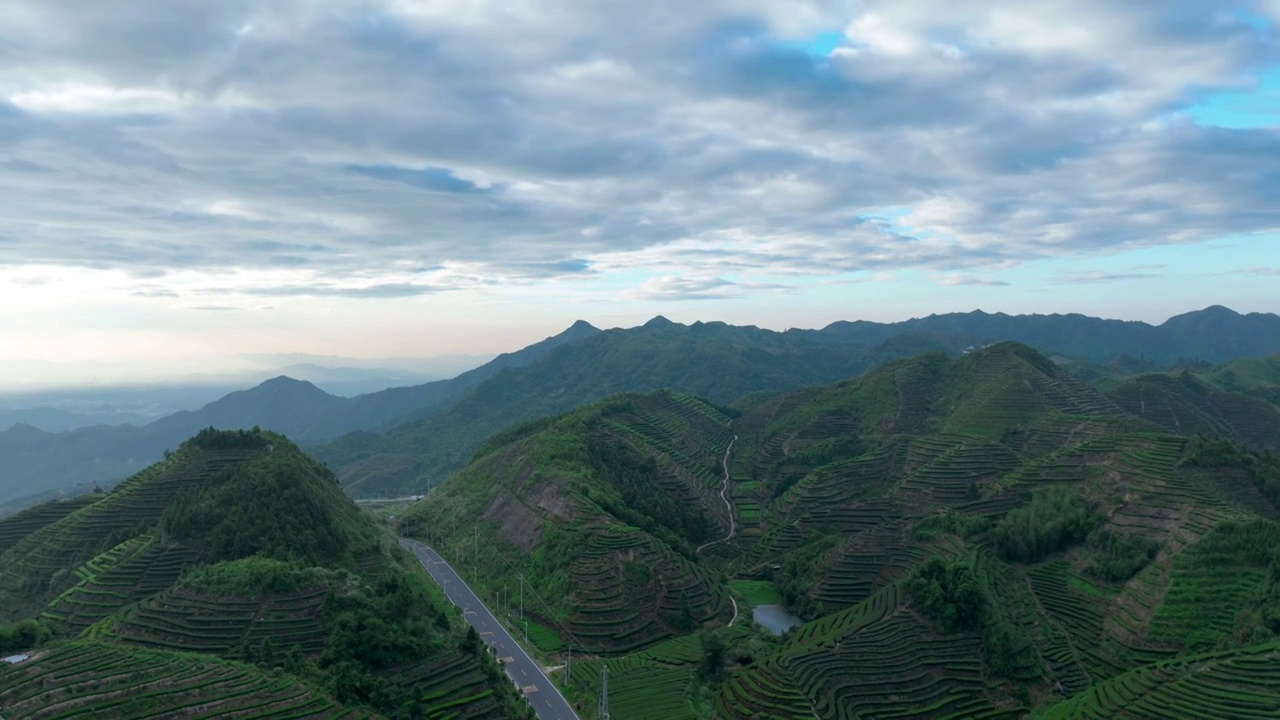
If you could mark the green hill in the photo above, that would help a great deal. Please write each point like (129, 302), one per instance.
(712, 360)
(238, 571)
(1259, 377)
(1187, 404)
(606, 508)
(973, 537)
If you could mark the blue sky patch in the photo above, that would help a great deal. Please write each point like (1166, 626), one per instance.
(1242, 109)
(818, 46)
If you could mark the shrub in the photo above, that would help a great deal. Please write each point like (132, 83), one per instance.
(23, 636)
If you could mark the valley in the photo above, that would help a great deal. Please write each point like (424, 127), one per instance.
(987, 533)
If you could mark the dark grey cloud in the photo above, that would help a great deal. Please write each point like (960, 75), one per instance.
(361, 143)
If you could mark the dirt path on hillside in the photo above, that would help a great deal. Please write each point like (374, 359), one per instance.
(733, 526)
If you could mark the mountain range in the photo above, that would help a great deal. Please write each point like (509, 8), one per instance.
(950, 528)
(406, 438)
(954, 537)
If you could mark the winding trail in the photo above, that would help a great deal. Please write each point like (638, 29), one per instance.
(733, 527)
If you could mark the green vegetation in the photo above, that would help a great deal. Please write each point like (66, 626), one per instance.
(973, 537)
(1241, 683)
(1055, 518)
(622, 573)
(298, 514)
(253, 577)
(714, 361)
(237, 574)
(1261, 467)
(102, 680)
(756, 592)
(23, 636)
(1115, 557)
(950, 594)
(1225, 589)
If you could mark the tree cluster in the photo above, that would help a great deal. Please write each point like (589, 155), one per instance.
(214, 439)
(642, 502)
(23, 636)
(1116, 557)
(1055, 519)
(276, 506)
(950, 594)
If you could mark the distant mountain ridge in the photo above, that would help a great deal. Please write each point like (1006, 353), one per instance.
(33, 461)
(1216, 334)
(400, 437)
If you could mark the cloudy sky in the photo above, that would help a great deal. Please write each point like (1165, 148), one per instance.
(185, 179)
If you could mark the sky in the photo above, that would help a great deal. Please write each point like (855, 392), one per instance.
(185, 181)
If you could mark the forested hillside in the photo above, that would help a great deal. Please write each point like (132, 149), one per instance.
(235, 579)
(984, 536)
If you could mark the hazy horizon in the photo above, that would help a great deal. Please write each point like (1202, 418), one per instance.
(186, 183)
(35, 376)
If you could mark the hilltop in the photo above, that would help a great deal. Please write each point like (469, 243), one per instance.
(240, 555)
(974, 536)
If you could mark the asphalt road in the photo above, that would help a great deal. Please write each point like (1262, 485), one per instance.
(542, 694)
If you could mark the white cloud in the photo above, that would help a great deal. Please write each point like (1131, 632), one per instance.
(526, 141)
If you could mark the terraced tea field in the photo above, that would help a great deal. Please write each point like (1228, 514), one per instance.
(226, 626)
(17, 526)
(119, 577)
(653, 684)
(969, 538)
(613, 594)
(1237, 684)
(97, 680)
(873, 660)
(34, 563)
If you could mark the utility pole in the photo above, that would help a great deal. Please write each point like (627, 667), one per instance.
(475, 542)
(526, 632)
(604, 692)
(568, 668)
(522, 597)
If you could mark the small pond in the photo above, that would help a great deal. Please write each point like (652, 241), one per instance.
(775, 618)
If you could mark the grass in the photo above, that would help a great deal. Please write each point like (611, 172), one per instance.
(544, 639)
(756, 592)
